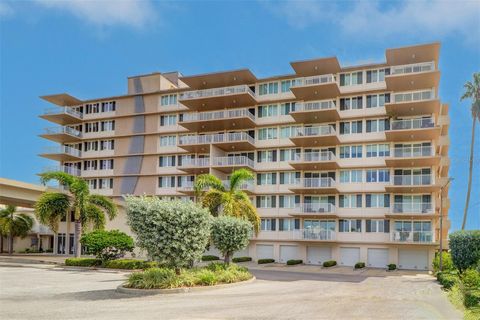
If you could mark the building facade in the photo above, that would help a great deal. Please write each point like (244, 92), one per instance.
(349, 162)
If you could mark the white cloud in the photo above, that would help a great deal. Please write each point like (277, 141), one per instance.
(5, 9)
(106, 13)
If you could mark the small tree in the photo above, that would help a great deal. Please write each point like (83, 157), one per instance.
(172, 232)
(230, 234)
(465, 249)
(107, 245)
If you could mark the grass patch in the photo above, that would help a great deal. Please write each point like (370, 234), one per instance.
(165, 278)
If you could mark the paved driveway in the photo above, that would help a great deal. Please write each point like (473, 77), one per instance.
(37, 291)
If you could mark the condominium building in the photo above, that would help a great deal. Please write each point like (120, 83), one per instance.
(349, 162)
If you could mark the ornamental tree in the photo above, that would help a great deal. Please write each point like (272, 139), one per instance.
(107, 245)
(174, 233)
(465, 249)
(230, 234)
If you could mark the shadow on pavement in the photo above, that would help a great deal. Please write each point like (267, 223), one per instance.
(275, 275)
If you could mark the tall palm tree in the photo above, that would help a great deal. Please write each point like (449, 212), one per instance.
(89, 209)
(472, 91)
(228, 200)
(14, 224)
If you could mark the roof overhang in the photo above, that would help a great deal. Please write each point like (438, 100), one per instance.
(314, 67)
(219, 79)
(413, 54)
(62, 99)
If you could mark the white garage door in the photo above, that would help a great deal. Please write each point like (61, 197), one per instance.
(413, 259)
(264, 251)
(318, 255)
(241, 253)
(377, 258)
(288, 253)
(349, 256)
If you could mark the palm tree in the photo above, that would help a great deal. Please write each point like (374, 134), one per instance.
(472, 91)
(228, 200)
(89, 209)
(14, 224)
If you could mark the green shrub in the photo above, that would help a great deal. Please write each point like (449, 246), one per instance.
(107, 245)
(210, 258)
(471, 298)
(129, 264)
(207, 278)
(263, 261)
(230, 234)
(294, 262)
(217, 266)
(465, 249)
(471, 279)
(447, 279)
(359, 265)
(446, 260)
(329, 263)
(241, 259)
(392, 266)
(83, 262)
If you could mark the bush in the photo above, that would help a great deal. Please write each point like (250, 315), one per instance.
(263, 261)
(107, 245)
(174, 233)
(392, 266)
(471, 279)
(129, 264)
(241, 259)
(83, 262)
(210, 258)
(447, 279)
(446, 260)
(359, 265)
(471, 298)
(230, 234)
(294, 262)
(465, 249)
(329, 263)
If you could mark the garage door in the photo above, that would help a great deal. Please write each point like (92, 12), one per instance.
(242, 253)
(288, 253)
(377, 258)
(264, 251)
(413, 259)
(318, 255)
(212, 251)
(349, 256)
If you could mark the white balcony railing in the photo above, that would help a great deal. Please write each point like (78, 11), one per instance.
(315, 105)
(64, 110)
(314, 234)
(413, 96)
(315, 182)
(314, 131)
(412, 236)
(195, 162)
(67, 169)
(408, 124)
(217, 115)
(314, 80)
(412, 207)
(63, 130)
(412, 180)
(216, 138)
(412, 152)
(315, 208)
(412, 68)
(317, 156)
(62, 150)
(216, 92)
(186, 185)
(232, 161)
(246, 185)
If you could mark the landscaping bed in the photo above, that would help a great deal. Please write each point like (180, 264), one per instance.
(127, 264)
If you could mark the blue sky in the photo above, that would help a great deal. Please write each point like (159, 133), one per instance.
(88, 49)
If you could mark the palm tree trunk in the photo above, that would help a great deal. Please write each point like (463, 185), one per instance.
(10, 246)
(469, 189)
(77, 249)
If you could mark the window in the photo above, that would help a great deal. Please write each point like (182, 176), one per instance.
(319, 224)
(288, 224)
(289, 154)
(108, 125)
(350, 152)
(266, 156)
(105, 183)
(289, 131)
(267, 224)
(166, 182)
(350, 201)
(350, 225)
(92, 183)
(378, 150)
(377, 75)
(108, 106)
(377, 100)
(351, 127)
(378, 175)
(266, 202)
(168, 120)
(91, 146)
(286, 108)
(91, 127)
(353, 103)
(169, 99)
(289, 178)
(351, 176)
(377, 200)
(168, 141)
(185, 181)
(268, 88)
(286, 84)
(90, 165)
(92, 108)
(267, 134)
(270, 110)
(351, 79)
(166, 161)
(377, 226)
(289, 201)
(269, 178)
(107, 145)
(106, 164)
(378, 125)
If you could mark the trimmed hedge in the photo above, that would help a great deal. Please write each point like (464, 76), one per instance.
(241, 259)
(392, 266)
(464, 248)
(329, 263)
(263, 261)
(446, 279)
(129, 264)
(359, 265)
(210, 258)
(83, 262)
(294, 262)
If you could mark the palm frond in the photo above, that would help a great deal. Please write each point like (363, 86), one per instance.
(238, 177)
(51, 207)
(212, 200)
(207, 181)
(93, 217)
(105, 204)
(60, 176)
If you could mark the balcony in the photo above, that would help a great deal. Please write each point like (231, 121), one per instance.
(228, 164)
(196, 165)
(413, 103)
(316, 87)
(315, 136)
(323, 160)
(315, 111)
(61, 153)
(411, 209)
(425, 237)
(314, 235)
(412, 76)
(314, 210)
(237, 141)
(314, 186)
(418, 156)
(412, 184)
(62, 134)
(219, 98)
(67, 169)
(62, 116)
(247, 186)
(412, 129)
(186, 187)
(218, 120)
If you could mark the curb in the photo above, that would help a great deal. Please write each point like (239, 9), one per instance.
(149, 292)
